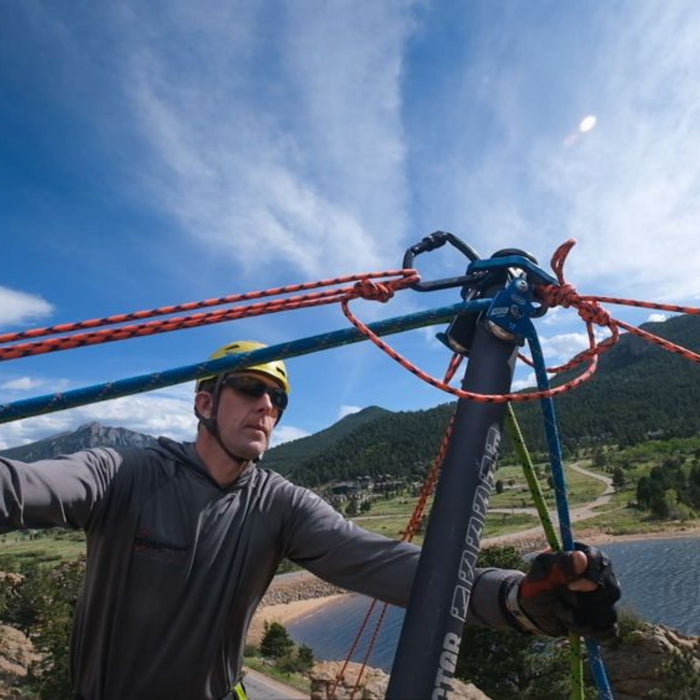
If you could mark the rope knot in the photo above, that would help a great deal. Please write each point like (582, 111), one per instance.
(374, 291)
(564, 295)
(591, 312)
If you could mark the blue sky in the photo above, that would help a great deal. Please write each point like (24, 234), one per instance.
(163, 152)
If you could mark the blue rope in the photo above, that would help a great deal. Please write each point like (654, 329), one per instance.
(554, 443)
(124, 387)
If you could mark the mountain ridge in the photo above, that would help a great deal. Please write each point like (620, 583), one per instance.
(91, 434)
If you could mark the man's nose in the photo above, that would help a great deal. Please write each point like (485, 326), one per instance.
(265, 401)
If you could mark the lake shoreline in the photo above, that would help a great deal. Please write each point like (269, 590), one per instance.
(528, 542)
(308, 595)
(286, 613)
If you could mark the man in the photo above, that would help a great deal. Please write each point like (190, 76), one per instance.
(184, 539)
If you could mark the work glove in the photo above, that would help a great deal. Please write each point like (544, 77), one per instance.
(567, 592)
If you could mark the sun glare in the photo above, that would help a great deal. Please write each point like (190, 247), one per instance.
(587, 123)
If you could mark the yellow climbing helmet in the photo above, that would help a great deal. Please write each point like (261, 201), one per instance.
(274, 369)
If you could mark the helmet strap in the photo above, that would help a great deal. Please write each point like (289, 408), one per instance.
(212, 425)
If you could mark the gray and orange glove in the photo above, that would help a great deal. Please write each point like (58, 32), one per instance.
(567, 592)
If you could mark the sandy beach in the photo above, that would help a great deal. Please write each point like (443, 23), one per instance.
(284, 613)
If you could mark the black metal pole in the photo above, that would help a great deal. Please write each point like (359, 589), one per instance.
(432, 631)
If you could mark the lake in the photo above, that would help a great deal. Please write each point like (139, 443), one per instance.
(659, 580)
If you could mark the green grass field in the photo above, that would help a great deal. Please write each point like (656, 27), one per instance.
(516, 494)
(390, 517)
(47, 547)
(394, 525)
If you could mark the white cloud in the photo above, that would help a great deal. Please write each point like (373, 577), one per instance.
(348, 411)
(154, 414)
(587, 123)
(28, 430)
(565, 346)
(286, 433)
(529, 381)
(553, 316)
(167, 412)
(21, 384)
(19, 307)
(657, 318)
(299, 164)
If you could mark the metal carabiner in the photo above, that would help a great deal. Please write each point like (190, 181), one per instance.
(436, 240)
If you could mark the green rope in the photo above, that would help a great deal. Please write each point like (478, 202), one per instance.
(516, 436)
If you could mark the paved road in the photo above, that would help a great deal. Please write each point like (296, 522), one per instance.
(582, 512)
(259, 687)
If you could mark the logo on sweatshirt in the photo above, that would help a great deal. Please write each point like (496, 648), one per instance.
(157, 547)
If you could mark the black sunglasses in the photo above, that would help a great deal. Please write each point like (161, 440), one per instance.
(250, 386)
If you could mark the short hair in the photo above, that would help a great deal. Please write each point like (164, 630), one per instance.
(207, 385)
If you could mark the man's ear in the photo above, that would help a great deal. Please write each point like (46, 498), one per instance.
(203, 404)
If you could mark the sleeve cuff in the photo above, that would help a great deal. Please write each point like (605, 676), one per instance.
(512, 606)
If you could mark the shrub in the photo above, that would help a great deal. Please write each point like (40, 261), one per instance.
(305, 658)
(276, 641)
(681, 678)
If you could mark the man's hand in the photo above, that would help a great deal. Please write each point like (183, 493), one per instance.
(568, 592)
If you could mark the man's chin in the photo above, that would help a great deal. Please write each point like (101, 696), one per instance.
(254, 453)
(253, 449)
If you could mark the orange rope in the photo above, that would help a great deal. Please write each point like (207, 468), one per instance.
(330, 693)
(414, 524)
(484, 398)
(565, 295)
(370, 646)
(364, 286)
(551, 295)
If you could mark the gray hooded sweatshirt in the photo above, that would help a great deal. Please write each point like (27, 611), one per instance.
(176, 564)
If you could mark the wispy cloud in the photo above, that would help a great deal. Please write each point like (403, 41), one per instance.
(20, 307)
(22, 384)
(528, 381)
(629, 189)
(22, 432)
(298, 166)
(565, 346)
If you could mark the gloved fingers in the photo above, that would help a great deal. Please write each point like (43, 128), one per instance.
(582, 585)
(600, 623)
(571, 592)
(553, 570)
(590, 614)
(600, 571)
(580, 564)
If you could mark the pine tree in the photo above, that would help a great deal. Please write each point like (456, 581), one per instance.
(276, 642)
